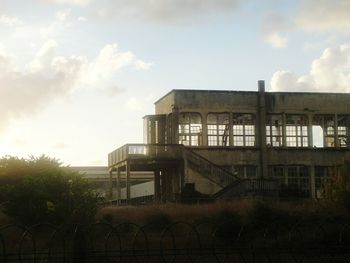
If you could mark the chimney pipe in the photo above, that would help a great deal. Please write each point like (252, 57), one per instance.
(261, 85)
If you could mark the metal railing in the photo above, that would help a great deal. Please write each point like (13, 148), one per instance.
(197, 162)
(209, 170)
(225, 241)
(137, 151)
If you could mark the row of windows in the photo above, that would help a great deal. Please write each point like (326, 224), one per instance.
(297, 179)
(281, 130)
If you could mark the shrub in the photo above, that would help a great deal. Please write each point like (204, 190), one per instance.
(45, 191)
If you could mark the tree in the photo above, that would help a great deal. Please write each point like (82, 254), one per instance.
(42, 190)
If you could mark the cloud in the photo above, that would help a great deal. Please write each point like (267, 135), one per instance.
(324, 15)
(163, 11)
(272, 26)
(10, 21)
(24, 90)
(329, 73)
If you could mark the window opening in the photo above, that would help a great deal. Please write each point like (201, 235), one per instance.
(243, 129)
(327, 125)
(274, 130)
(190, 129)
(296, 131)
(343, 130)
(218, 129)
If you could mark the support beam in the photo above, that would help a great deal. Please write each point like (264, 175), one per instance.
(157, 185)
(262, 128)
(110, 193)
(128, 183)
(119, 194)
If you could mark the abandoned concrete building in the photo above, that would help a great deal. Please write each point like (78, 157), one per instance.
(224, 144)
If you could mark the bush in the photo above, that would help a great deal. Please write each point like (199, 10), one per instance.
(44, 191)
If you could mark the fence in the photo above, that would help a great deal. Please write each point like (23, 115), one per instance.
(182, 242)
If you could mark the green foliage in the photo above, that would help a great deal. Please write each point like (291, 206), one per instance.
(338, 188)
(40, 189)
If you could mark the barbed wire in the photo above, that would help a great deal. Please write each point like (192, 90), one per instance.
(227, 241)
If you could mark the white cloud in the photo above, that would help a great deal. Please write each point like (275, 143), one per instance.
(272, 26)
(139, 64)
(276, 40)
(163, 11)
(10, 21)
(324, 15)
(49, 76)
(329, 73)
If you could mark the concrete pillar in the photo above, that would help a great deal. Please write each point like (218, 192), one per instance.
(119, 192)
(128, 183)
(231, 129)
(157, 194)
(163, 186)
(175, 125)
(204, 129)
(309, 130)
(312, 182)
(261, 122)
(284, 130)
(336, 143)
(110, 194)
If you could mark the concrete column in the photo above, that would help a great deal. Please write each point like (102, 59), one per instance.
(309, 130)
(284, 129)
(261, 122)
(163, 186)
(204, 129)
(157, 185)
(231, 129)
(119, 194)
(312, 182)
(175, 125)
(336, 143)
(110, 194)
(128, 183)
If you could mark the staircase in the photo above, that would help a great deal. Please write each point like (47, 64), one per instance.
(209, 170)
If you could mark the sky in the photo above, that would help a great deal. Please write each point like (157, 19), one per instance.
(77, 76)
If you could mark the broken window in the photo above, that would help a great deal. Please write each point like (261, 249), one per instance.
(190, 129)
(274, 130)
(218, 129)
(343, 130)
(297, 131)
(243, 129)
(323, 130)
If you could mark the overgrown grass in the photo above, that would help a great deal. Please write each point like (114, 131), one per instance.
(240, 211)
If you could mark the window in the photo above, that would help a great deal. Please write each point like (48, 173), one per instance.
(190, 129)
(343, 130)
(326, 123)
(245, 171)
(296, 131)
(218, 129)
(243, 129)
(274, 130)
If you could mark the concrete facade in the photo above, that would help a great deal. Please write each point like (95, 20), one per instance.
(294, 138)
